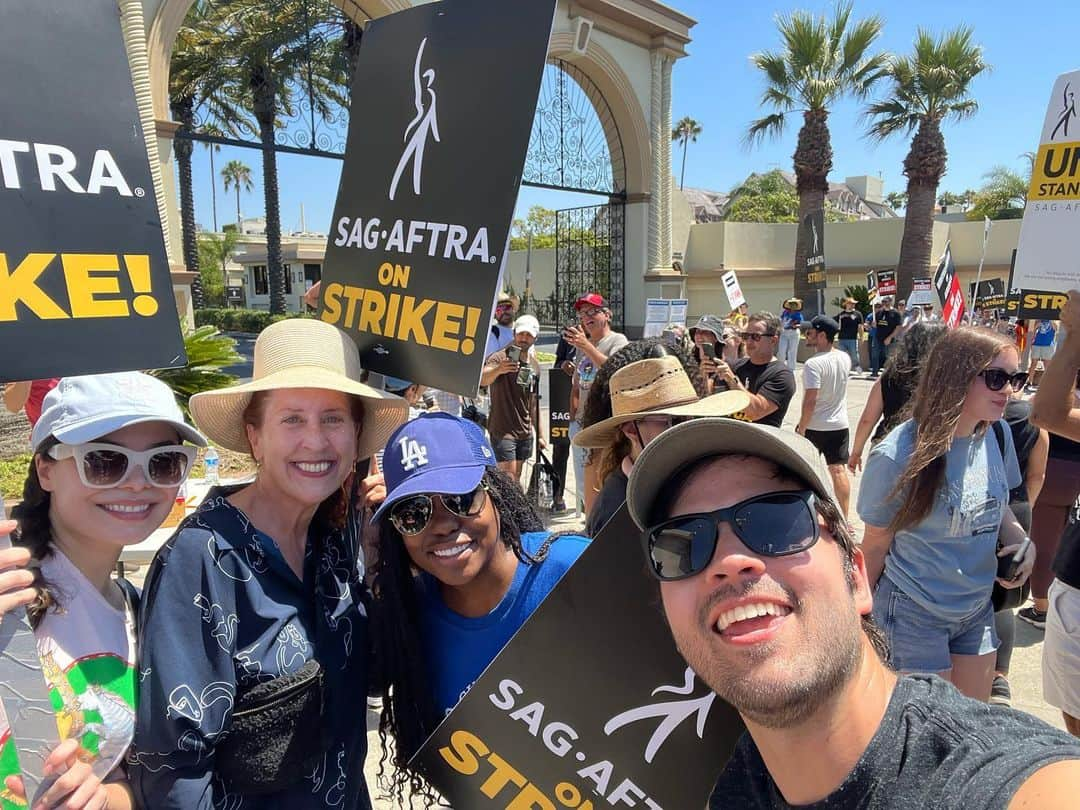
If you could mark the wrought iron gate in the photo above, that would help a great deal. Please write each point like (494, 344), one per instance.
(589, 257)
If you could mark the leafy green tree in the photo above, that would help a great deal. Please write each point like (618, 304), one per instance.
(686, 131)
(208, 351)
(1002, 196)
(927, 88)
(896, 200)
(950, 198)
(214, 254)
(821, 61)
(770, 197)
(237, 174)
(540, 222)
(861, 296)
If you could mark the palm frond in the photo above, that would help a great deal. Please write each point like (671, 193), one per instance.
(769, 126)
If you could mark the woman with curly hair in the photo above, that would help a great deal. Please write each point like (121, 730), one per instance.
(463, 561)
(935, 502)
(888, 402)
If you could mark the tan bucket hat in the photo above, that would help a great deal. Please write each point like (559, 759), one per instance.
(300, 353)
(651, 387)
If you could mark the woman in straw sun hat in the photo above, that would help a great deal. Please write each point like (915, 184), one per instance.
(647, 397)
(254, 638)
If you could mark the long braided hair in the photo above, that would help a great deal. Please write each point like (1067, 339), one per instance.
(952, 366)
(35, 532)
(408, 713)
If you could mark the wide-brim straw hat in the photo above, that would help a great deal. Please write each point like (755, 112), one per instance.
(656, 387)
(300, 353)
(793, 303)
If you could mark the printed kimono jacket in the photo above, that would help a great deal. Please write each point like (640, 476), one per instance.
(223, 611)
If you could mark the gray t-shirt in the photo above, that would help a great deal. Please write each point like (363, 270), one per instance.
(934, 750)
(946, 563)
(586, 371)
(828, 373)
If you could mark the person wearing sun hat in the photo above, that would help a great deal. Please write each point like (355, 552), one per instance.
(791, 320)
(647, 398)
(259, 594)
(109, 460)
(463, 562)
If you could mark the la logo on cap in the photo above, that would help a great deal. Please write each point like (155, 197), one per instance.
(413, 454)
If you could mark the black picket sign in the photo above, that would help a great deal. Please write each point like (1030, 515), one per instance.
(84, 279)
(590, 702)
(812, 236)
(559, 385)
(446, 94)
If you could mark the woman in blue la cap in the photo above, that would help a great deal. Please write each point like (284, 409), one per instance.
(463, 562)
(109, 459)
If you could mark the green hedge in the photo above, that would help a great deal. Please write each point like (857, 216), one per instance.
(240, 320)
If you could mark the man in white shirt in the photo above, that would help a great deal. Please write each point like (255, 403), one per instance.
(824, 418)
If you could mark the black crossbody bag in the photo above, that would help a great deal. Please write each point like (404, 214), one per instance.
(1007, 598)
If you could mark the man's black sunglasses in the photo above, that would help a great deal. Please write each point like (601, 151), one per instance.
(995, 378)
(775, 524)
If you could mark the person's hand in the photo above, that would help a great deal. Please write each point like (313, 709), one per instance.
(854, 461)
(568, 368)
(508, 366)
(576, 336)
(1070, 313)
(1025, 569)
(543, 444)
(708, 366)
(800, 429)
(724, 370)
(371, 492)
(15, 579)
(76, 788)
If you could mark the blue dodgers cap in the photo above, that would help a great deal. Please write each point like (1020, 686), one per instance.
(435, 452)
(82, 409)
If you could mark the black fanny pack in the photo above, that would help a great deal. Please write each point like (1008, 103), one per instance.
(277, 728)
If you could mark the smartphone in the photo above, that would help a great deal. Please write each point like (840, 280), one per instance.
(1008, 566)
(670, 337)
(514, 353)
(708, 350)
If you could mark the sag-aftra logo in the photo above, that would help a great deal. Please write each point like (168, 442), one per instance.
(51, 165)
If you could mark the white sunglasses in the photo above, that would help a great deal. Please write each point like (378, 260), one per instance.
(102, 466)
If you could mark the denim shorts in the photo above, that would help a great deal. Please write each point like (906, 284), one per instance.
(919, 641)
(511, 449)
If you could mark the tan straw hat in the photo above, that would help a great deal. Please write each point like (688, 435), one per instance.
(300, 353)
(651, 387)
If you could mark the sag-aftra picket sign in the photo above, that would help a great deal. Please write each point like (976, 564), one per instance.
(446, 97)
(84, 280)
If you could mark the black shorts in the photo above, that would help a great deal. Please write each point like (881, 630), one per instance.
(833, 444)
(511, 449)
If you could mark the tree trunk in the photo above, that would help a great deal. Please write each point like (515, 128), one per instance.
(813, 160)
(265, 97)
(924, 167)
(183, 110)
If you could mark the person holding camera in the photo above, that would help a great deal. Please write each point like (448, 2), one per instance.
(512, 375)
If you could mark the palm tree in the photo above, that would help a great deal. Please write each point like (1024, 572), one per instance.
(928, 87)
(235, 173)
(822, 61)
(686, 130)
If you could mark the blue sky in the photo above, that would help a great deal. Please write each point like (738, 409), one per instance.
(719, 87)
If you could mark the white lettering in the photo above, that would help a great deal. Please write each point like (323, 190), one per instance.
(599, 774)
(437, 229)
(397, 238)
(9, 172)
(455, 241)
(416, 237)
(104, 173)
(532, 715)
(479, 247)
(371, 233)
(560, 745)
(507, 688)
(343, 233)
(49, 172)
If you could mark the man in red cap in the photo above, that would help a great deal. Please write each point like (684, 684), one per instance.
(595, 341)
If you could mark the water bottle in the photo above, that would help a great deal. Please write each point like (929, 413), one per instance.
(211, 465)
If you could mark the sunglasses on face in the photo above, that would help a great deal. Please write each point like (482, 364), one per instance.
(102, 466)
(776, 524)
(755, 335)
(592, 312)
(995, 378)
(411, 515)
(662, 422)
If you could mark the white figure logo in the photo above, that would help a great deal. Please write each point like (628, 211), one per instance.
(813, 230)
(413, 454)
(424, 124)
(673, 712)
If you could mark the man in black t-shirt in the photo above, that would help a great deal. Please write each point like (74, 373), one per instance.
(851, 326)
(769, 602)
(888, 321)
(769, 382)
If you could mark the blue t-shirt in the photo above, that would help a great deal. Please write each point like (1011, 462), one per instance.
(871, 325)
(458, 648)
(946, 563)
(791, 319)
(1044, 334)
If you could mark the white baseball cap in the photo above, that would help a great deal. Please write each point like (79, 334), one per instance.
(527, 323)
(81, 409)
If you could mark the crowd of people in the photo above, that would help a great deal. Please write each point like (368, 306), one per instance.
(385, 547)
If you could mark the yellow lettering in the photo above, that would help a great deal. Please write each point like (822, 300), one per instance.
(386, 273)
(504, 772)
(412, 320)
(332, 302)
(447, 322)
(531, 799)
(354, 295)
(21, 285)
(84, 289)
(373, 308)
(462, 753)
